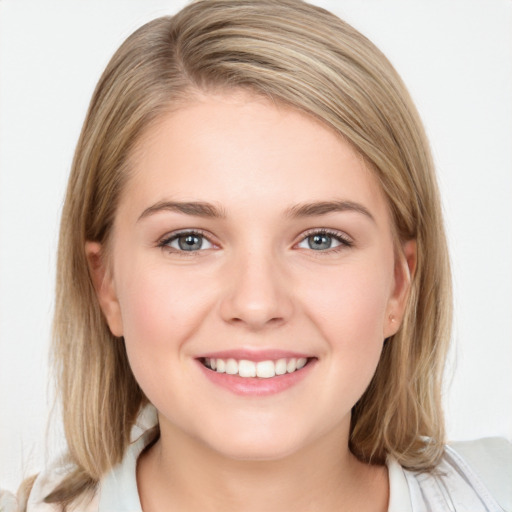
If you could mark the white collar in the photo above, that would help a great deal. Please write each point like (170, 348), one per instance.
(118, 490)
(451, 486)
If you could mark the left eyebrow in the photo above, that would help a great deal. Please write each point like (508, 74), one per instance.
(196, 208)
(325, 207)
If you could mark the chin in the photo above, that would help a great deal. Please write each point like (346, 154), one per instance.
(256, 452)
(261, 445)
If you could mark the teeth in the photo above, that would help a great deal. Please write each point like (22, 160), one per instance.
(301, 362)
(261, 369)
(246, 368)
(291, 366)
(221, 365)
(281, 367)
(266, 369)
(231, 367)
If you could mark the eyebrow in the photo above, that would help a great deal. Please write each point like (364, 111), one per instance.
(196, 208)
(203, 209)
(325, 207)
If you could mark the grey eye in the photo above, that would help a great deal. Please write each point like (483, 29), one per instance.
(189, 242)
(320, 242)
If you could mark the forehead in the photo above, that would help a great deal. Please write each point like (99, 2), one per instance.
(237, 148)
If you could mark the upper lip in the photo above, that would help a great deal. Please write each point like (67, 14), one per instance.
(254, 355)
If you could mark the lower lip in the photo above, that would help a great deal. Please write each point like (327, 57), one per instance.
(254, 386)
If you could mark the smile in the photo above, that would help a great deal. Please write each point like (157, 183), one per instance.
(262, 369)
(256, 373)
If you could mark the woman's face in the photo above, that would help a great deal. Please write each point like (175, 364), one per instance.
(251, 239)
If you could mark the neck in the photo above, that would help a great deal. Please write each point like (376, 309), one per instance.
(179, 473)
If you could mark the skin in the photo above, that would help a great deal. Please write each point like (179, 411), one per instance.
(255, 284)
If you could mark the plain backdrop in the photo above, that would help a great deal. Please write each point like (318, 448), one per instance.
(456, 59)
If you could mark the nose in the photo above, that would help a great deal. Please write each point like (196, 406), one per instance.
(258, 293)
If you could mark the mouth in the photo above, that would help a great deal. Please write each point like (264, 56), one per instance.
(256, 374)
(246, 368)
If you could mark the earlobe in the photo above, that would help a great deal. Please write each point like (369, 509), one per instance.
(405, 267)
(104, 286)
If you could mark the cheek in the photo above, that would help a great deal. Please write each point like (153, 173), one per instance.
(156, 298)
(350, 311)
(161, 310)
(352, 301)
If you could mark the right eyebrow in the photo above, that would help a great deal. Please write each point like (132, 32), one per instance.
(325, 207)
(195, 208)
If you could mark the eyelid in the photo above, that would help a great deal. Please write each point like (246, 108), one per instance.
(345, 240)
(165, 240)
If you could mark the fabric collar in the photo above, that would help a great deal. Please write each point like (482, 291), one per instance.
(118, 490)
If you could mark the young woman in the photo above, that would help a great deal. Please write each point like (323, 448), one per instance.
(253, 299)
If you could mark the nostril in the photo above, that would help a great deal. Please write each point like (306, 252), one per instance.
(254, 321)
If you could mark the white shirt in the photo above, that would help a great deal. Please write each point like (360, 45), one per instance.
(452, 487)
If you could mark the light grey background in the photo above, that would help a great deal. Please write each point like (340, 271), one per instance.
(456, 58)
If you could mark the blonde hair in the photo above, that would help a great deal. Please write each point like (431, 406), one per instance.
(307, 58)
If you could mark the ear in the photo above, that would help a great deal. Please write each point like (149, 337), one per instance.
(405, 266)
(104, 286)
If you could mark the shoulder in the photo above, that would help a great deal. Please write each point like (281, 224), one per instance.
(491, 461)
(474, 476)
(45, 483)
(117, 489)
(8, 502)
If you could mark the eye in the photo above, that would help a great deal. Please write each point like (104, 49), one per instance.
(188, 241)
(324, 240)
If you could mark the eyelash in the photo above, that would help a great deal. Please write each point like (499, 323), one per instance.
(164, 242)
(344, 240)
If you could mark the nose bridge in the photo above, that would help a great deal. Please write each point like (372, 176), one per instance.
(258, 293)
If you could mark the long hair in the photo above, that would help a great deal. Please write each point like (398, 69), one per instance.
(295, 54)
